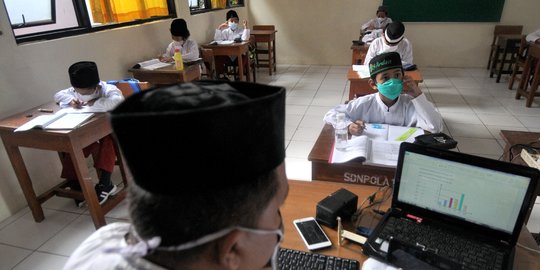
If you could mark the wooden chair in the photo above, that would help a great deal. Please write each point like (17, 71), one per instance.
(263, 49)
(131, 86)
(519, 64)
(501, 30)
(532, 68)
(207, 56)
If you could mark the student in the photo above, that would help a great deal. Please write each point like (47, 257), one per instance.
(216, 209)
(374, 27)
(534, 37)
(389, 105)
(393, 40)
(88, 90)
(229, 30)
(180, 36)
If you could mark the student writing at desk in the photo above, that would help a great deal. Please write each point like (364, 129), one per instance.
(229, 31)
(393, 40)
(218, 209)
(390, 105)
(88, 90)
(180, 36)
(374, 27)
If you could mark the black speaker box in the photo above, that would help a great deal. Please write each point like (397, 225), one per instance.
(341, 203)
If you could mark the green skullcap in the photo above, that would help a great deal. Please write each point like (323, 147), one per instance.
(384, 61)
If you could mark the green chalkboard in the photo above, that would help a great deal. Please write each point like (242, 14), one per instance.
(445, 10)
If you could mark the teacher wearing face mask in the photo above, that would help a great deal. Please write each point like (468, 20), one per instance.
(393, 40)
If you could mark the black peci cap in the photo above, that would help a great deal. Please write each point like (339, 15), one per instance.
(232, 14)
(394, 32)
(83, 74)
(383, 62)
(205, 135)
(179, 28)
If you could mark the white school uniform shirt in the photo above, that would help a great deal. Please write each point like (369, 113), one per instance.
(407, 111)
(189, 50)
(108, 97)
(532, 37)
(378, 24)
(91, 253)
(378, 46)
(228, 34)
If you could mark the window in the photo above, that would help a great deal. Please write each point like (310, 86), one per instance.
(41, 13)
(200, 6)
(49, 19)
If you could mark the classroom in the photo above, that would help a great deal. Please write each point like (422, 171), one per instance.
(313, 43)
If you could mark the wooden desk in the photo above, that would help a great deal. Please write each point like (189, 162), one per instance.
(68, 141)
(349, 172)
(512, 137)
(304, 196)
(235, 49)
(359, 53)
(360, 87)
(167, 75)
(507, 45)
(268, 36)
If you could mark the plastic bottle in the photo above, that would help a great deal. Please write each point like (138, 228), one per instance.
(341, 132)
(178, 62)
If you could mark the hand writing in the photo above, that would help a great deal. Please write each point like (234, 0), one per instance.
(77, 103)
(357, 127)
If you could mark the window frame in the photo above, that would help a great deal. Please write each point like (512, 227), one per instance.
(37, 23)
(85, 27)
(208, 7)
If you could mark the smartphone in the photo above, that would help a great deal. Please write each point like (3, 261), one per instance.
(312, 233)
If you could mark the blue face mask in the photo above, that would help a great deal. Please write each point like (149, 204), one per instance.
(233, 26)
(391, 88)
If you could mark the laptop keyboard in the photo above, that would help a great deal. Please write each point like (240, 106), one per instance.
(450, 247)
(296, 259)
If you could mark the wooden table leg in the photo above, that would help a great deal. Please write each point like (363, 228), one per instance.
(501, 67)
(241, 67)
(79, 163)
(274, 54)
(270, 58)
(23, 177)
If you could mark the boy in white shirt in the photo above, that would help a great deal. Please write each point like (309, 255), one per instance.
(389, 105)
(180, 35)
(229, 30)
(374, 27)
(393, 40)
(88, 90)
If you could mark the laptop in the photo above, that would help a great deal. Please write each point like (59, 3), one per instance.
(452, 210)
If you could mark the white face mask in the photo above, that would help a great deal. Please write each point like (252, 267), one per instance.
(178, 43)
(233, 26)
(86, 98)
(144, 247)
(380, 20)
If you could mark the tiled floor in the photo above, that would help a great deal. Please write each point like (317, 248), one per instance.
(473, 106)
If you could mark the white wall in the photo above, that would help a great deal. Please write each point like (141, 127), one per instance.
(320, 32)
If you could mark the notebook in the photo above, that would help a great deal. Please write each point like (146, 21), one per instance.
(470, 204)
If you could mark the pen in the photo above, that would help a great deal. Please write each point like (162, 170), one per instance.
(45, 110)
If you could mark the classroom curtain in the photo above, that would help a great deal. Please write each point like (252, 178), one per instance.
(219, 3)
(116, 11)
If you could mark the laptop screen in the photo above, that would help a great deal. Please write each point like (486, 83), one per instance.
(484, 196)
